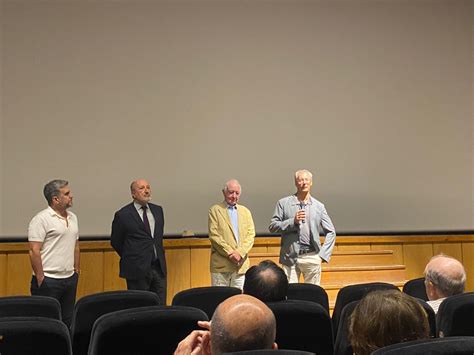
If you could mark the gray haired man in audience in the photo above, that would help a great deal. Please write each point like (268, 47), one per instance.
(444, 277)
(239, 323)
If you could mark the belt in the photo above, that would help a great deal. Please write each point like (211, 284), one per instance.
(305, 251)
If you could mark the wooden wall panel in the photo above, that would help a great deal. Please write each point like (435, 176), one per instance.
(416, 256)
(3, 274)
(451, 249)
(91, 279)
(200, 267)
(112, 280)
(468, 261)
(178, 264)
(188, 260)
(18, 274)
(274, 250)
(397, 250)
(353, 247)
(259, 249)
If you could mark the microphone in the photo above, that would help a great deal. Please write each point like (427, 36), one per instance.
(302, 206)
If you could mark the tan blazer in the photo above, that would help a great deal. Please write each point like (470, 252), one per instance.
(223, 239)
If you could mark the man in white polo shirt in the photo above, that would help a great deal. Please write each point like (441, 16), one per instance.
(53, 236)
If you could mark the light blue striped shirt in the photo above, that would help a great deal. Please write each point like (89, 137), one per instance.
(234, 220)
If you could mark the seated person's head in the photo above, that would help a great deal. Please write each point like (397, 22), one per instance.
(386, 317)
(444, 277)
(241, 323)
(266, 281)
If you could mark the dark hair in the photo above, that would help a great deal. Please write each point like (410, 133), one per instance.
(386, 317)
(266, 281)
(52, 188)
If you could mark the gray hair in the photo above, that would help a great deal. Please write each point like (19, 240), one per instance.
(447, 284)
(303, 171)
(52, 188)
(226, 185)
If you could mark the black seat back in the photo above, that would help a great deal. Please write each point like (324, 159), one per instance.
(145, 331)
(30, 306)
(34, 335)
(308, 292)
(455, 316)
(438, 346)
(303, 325)
(205, 298)
(89, 308)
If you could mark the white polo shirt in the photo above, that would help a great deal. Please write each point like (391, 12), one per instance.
(59, 240)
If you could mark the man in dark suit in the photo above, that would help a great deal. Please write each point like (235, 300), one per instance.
(137, 236)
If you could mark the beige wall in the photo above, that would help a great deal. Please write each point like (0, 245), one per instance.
(374, 96)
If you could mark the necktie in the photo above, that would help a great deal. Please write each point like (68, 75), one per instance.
(145, 220)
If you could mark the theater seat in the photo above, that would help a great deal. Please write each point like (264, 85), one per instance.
(145, 331)
(30, 306)
(34, 335)
(431, 317)
(438, 346)
(303, 325)
(270, 352)
(342, 345)
(308, 292)
(205, 298)
(455, 316)
(354, 293)
(91, 307)
(416, 288)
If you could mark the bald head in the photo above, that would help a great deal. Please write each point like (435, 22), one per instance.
(240, 323)
(141, 191)
(444, 277)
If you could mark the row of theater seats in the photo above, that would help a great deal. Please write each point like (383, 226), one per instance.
(112, 323)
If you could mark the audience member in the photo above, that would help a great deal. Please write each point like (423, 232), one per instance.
(266, 281)
(386, 317)
(232, 233)
(444, 277)
(239, 323)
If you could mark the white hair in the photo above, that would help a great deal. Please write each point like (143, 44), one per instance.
(302, 172)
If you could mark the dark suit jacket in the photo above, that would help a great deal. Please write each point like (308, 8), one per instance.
(134, 244)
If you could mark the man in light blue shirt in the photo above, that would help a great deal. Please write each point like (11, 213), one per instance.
(231, 232)
(300, 219)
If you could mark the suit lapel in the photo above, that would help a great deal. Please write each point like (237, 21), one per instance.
(154, 212)
(138, 218)
(134, 213)
(240, 216)
(225, 214)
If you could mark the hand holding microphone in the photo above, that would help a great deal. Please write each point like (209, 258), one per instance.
(300, 216)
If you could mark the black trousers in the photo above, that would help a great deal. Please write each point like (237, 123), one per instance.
(154, 281)
(64, 290)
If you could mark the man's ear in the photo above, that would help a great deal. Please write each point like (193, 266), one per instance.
(275, 346)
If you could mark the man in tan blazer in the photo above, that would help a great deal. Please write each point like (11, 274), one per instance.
(231, 232)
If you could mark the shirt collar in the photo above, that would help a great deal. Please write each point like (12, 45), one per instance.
(297, 202)
(54, 213)
(139, 207)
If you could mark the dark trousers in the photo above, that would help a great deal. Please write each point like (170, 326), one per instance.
(154, 281)
(64, 290)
